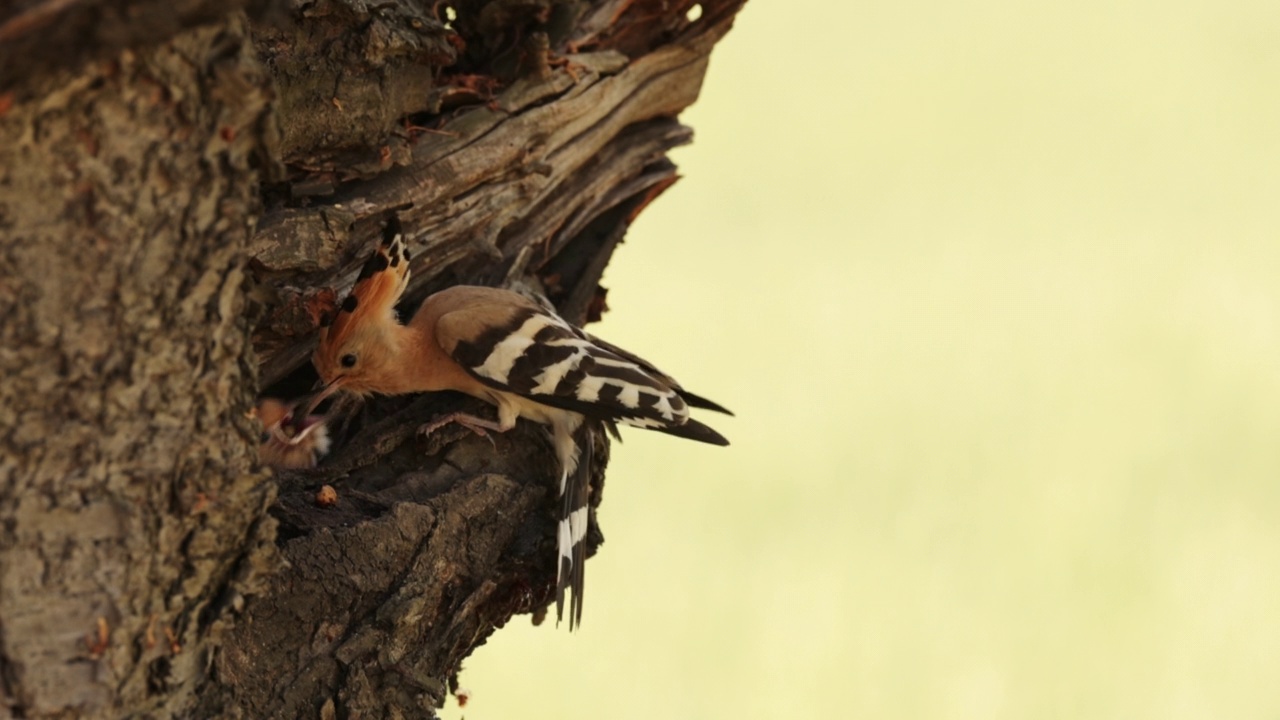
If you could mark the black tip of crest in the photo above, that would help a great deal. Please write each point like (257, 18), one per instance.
(391, 230)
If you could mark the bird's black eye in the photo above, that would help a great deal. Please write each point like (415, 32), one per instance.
(348, 360)
(265, 437)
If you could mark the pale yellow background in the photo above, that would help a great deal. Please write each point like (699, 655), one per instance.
(994, 288)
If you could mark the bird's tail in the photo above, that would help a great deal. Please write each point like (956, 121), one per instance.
(571, 534)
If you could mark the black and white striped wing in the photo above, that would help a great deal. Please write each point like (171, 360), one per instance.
(538, 355)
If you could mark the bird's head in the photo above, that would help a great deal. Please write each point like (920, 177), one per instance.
(286, 442)
(360, 362)
(359, 342)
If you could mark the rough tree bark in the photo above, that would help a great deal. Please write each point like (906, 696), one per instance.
(184, 185)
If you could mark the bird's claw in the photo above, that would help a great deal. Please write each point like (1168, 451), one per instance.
(460, 419)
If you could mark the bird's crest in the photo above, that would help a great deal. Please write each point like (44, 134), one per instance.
(372, 299)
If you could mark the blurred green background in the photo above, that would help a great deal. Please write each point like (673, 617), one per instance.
(994, 288)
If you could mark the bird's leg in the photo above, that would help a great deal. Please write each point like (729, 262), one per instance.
(477, 425)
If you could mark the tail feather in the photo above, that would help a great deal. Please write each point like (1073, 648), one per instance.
(571, 532)
(581, 517)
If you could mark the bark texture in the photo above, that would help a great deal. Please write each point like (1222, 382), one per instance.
(130, 511)
(179, 201)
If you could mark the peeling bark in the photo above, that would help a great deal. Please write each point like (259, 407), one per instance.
(176, 205)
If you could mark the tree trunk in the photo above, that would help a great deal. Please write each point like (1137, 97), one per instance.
(182, 192)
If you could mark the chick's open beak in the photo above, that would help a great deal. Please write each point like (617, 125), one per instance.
(304, 407)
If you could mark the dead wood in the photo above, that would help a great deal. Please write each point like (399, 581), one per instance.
(176, 207)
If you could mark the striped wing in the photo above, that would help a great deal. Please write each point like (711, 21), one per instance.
(690, 399)
(535, 354)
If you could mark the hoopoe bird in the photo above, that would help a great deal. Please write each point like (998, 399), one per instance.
(505, 349)
(287, 442)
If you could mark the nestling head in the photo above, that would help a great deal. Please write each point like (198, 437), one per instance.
(286, 443)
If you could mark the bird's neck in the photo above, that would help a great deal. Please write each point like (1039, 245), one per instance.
(414, 369)
(425, 367)
(394, 371)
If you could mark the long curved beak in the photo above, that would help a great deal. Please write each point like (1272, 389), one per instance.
(307, 404)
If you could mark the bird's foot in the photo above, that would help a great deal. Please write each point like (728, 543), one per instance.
(477, 425)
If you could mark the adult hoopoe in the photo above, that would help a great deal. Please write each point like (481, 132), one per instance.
(286, 442)
(506, 349)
